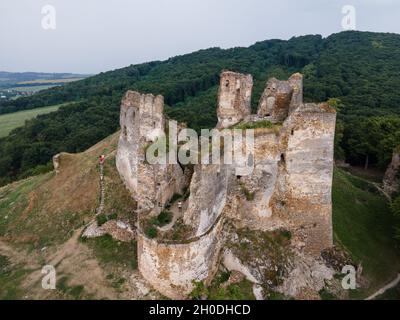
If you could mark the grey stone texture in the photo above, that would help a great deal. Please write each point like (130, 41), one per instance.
(289, 186)
(234, 98)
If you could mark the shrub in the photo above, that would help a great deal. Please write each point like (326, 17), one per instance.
(200, 291)
(249, 195)
(254, 125)
(113, 252)
(101, 219)
(326, 295)
(238, 291)
(112, 216)
(164, 218)
(175, 197)
(151, 232)
(286, 234)
(395, 206)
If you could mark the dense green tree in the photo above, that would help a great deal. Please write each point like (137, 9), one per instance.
(372, 140)
(359, 69)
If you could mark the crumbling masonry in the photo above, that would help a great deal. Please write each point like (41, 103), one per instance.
(290, 185)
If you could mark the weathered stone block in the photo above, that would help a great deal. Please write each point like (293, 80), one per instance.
(234, 98)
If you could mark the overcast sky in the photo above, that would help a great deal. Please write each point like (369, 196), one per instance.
(99, 35)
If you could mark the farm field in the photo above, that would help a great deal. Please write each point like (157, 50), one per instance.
(10, 121)
(43, 81)
(33, 89)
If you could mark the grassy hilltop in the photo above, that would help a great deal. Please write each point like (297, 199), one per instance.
(42, 217)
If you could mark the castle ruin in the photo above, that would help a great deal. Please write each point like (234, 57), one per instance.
(289, 187)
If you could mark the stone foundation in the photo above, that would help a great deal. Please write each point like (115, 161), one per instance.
(171, 268)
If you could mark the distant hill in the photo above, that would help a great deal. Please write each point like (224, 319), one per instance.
(359, 68)
(14, 85)
(8, 79)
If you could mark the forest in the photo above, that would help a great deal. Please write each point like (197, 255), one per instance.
(358, 72)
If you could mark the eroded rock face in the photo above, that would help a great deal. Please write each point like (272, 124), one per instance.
(275, 265)
(234, 98)
(208, 195)
(306, 278)
(391, 181)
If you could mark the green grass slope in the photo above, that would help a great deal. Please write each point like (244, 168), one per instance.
(10, 121)
(47, 211)
(41, 219)
(363, 225)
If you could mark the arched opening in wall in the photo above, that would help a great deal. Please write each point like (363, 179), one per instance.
(133, 117)
(154, 124)
(238, 177)
(283, 160)
(227, 83)
(292, 132)
(125, 132)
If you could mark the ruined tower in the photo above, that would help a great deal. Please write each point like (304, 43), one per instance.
(280, 97)
(234, 98)
(142, 123)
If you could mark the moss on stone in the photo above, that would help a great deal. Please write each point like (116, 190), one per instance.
(269, 249)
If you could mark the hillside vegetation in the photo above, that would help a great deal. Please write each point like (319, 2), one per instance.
(363, 226)
(41, 221)
(42, 217)
(358, 69)
(10, 121)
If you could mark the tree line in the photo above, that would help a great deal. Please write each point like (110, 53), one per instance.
(357, 71)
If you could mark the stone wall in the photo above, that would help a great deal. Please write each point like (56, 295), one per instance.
(208, 194)
(172, 267)
(142, 122)
(309, 172)
(290, 186)
(281, 97)
(234, 98)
